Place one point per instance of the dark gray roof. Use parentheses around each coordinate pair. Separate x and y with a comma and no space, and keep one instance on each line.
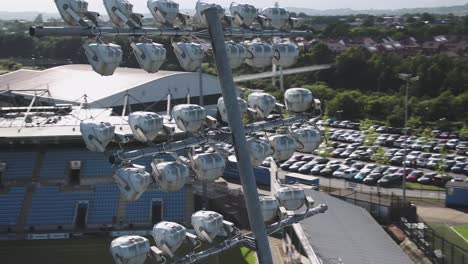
(350,233)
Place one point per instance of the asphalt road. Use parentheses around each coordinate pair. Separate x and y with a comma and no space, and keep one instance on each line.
(264,75)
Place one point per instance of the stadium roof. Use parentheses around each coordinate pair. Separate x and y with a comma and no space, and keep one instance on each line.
(349,233)
(70,82)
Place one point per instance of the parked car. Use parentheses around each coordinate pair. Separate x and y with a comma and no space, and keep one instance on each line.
(307,158)
(361,176)
(404,171)
(389,180)
(337,152)
(423,159)
(441,180)
(350,173)
(396,160)
(427,178)
(390,170)
(434,163)
(295,167)
(285,165)
(414,176)
(317,168)
(372,178)
(267,162)
(305,169)
(329,169)
(339,172)
(322,160)
(452,143)
(458,167)
(379,169)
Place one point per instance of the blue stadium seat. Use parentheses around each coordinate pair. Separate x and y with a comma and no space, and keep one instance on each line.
(52,207)
(139,212)
(10,206)
(93,164)
(20,165)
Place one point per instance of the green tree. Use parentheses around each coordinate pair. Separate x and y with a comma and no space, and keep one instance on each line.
(380,157)
(369,21)
(349,103)
(464,132)
(321,54)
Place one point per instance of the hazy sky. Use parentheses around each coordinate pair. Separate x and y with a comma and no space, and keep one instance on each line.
(140,5)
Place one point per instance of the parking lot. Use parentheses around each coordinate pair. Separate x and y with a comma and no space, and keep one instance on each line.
(373,161)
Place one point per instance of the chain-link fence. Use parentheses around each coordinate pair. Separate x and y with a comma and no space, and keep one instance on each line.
(434,245)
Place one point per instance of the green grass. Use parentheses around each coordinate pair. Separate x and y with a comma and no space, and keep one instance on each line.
(235,256)
(452,254)
(417,186)
(462,230)
(95,250)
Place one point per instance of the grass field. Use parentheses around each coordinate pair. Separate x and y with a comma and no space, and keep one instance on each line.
(462,230)
(452,254)
(417,186)
(87,251)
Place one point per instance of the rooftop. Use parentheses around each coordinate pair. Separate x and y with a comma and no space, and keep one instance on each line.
(349,233)
(70,82)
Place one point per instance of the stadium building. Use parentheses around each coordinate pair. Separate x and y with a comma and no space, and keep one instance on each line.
(52,187)
(49,180)
(77,85)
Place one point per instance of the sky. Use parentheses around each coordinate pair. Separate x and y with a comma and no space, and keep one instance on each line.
(48,6)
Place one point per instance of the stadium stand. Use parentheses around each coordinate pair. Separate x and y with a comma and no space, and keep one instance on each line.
(139,212)
(20,165)
(10,206)
(55,164)
(50,206)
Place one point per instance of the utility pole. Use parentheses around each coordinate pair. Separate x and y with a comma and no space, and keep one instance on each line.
(249,185)
(408,78)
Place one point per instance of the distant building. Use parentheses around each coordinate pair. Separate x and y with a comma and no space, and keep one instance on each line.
(431,47)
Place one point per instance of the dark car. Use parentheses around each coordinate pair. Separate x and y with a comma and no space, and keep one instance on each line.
(305,169)
(337,152)
(321,160)
(379,169)
(307,158)
(360,176)
(390,170)
(441,180)
(329,169)
(391,179)
(297,157)
(427,178)
(316,170)
(458,167)
(372,178)
(397,160)
(285,165)
(414,176)
(295,167)
(406,171)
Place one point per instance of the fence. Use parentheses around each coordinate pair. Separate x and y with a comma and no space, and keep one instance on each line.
(434,246)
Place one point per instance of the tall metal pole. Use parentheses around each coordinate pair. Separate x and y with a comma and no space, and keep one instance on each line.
(249,185)
(406,144)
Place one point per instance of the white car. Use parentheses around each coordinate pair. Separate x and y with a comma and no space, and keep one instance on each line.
(350,173)
(339,172)
(369,168)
